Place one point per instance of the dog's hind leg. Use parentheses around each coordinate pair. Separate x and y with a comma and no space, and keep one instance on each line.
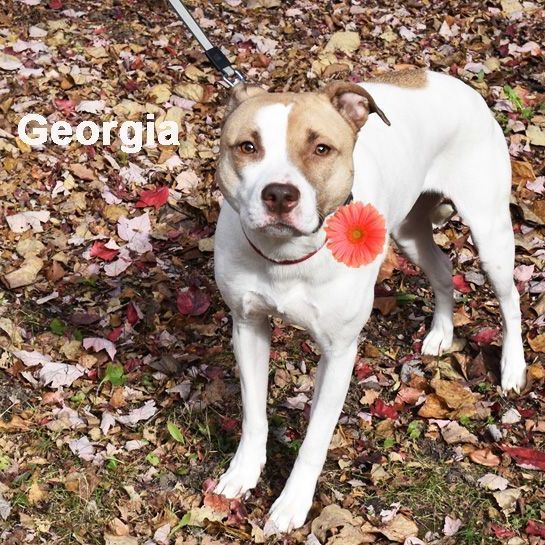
(251,343)
(414,236)
(489,219)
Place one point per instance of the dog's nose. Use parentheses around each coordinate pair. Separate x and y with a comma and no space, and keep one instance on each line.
(280,198)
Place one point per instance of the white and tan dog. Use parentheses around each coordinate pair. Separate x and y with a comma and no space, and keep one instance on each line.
(287,161)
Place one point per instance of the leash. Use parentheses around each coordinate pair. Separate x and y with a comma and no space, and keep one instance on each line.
(231,76)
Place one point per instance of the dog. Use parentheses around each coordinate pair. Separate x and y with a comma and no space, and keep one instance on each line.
(401,142)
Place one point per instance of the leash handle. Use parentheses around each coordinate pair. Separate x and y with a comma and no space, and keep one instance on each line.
(231,76)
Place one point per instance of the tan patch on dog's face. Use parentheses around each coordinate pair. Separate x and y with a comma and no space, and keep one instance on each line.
(411,78)
(315,125)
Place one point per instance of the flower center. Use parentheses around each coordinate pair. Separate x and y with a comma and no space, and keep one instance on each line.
(356,234)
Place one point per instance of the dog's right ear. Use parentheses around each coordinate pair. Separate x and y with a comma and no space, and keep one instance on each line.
(242,92)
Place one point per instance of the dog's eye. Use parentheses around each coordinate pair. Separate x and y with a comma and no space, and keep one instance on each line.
(322,149)
(247,147)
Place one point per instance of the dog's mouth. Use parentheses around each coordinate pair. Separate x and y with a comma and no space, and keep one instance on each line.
(280,229)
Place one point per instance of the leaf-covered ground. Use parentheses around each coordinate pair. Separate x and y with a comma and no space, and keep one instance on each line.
(119,400)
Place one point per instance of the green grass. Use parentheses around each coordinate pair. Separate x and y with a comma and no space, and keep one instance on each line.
(436,489)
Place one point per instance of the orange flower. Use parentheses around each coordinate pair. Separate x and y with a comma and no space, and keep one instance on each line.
(356,234)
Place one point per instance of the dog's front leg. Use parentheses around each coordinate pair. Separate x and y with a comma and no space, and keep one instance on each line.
(291,508)
(251,343)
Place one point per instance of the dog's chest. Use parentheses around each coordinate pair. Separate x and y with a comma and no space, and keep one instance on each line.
(291,304)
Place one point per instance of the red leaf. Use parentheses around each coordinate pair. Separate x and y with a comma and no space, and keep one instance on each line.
(216,502)
(99,250)
(406,267)
(66,106)
(501,532)
(382,410)
(527,458)
(209,485)
(460,283)
(534,528)
(363,370)
(192,302)
(485,335)
(156,198)
(55,4)
(238,512)
(228,424)
(115,334)
(132,314)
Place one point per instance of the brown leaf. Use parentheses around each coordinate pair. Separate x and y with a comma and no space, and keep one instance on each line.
(36,494)
(385,305)
(389,265)
(434,407)
(400,529)
(455,433)
(537,344)
(484,457)
(82,172)
(25,275)
(455,396)
(333,517)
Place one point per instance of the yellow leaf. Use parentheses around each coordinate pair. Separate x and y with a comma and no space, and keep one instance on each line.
(36,494)
(345,41)
(536,135)
(160,93)
(191,91)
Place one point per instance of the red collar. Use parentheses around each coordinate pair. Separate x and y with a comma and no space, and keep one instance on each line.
(281,261)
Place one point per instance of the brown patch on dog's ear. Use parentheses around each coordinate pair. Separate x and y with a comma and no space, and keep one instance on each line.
(354,103)
(242,92)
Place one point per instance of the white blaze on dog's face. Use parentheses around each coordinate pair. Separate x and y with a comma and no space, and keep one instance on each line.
(286,159)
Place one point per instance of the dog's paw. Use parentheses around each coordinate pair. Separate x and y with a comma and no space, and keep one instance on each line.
(437,341)
(242,476)
(513,376)
(289,511)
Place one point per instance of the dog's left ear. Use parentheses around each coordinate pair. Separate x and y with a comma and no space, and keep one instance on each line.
(353,102)
(242,92)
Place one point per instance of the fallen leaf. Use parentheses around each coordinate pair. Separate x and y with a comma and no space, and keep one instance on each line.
(400,529)
(534,528)
(141,413)
(24,275)
(484,457)
(100,250)
(9,62)
(535,135)
(507,499)
(382,410)
(451,526)
(493,482)
(345,41)
(537,343)
(82,448)
(120,540)
(192,301)
(157,198)
(527,458)
(97,344)
(23,221)
(56,374)
(455,433)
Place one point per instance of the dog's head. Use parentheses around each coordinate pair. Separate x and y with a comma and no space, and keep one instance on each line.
(286,158)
